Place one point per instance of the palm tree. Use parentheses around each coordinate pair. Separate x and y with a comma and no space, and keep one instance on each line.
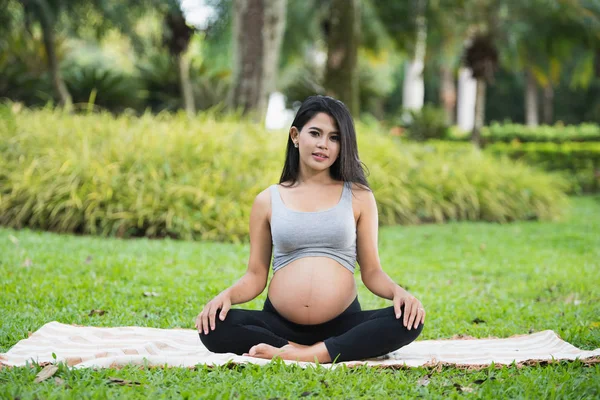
(258,27)
(446,36)
(177,38)
(46,13)
(343,36)
(409,34)
(543,35)
(481,57)
(73,14)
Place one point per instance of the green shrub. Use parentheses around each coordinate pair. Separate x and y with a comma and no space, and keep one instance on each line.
(23,68)
(521,133)
(427,123)
(158,74)
(109,89)
(432,183)
(579,162)
(167,175)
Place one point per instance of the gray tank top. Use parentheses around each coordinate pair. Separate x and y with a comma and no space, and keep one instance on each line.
(329,233)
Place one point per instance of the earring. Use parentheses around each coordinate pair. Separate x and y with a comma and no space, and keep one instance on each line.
(295,145)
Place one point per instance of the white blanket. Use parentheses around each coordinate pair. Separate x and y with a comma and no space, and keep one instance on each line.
(114,347)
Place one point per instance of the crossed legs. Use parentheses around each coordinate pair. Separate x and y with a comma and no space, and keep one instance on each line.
(353,335)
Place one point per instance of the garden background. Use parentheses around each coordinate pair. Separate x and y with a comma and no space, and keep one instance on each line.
(126,122)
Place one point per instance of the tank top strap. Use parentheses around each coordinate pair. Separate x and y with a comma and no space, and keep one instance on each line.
(275,197)
(347,192)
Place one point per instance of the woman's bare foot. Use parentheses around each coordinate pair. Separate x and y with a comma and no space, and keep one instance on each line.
(294,352)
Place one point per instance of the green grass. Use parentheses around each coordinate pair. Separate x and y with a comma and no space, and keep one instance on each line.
(520,277)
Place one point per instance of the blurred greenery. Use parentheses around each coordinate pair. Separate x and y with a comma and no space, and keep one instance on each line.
(427,123)
(557,41)
(169,175)
(558,133)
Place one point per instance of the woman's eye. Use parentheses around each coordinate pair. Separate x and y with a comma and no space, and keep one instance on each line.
(335,138)
(314,133)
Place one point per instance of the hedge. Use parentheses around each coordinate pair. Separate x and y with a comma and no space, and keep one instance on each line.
(507,133)
(578,162)
(167,175)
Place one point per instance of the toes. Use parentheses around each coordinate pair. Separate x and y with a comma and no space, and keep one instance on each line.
(252,351)
(259,350)
(263,348)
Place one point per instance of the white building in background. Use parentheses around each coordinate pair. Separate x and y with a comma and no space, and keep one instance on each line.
(465,107)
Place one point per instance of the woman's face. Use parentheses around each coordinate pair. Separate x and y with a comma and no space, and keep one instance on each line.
(318,142)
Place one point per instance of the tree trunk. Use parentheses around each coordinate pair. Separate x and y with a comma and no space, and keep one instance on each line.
(413,91)
(548,105)
(185,84)
(447,93)
(341,75)
(467,94)
(258,27)
(46,21)
(531,100)
(479,113)
(597,63)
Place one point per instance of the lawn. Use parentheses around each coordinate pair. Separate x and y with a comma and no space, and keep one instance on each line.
(476,279)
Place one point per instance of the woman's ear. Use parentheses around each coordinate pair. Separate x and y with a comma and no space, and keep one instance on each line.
(294,134)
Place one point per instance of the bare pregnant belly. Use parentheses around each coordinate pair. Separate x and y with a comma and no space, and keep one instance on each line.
(312,290)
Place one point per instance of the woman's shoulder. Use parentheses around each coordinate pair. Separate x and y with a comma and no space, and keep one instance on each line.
(359,189)
(263,199)
(362,197)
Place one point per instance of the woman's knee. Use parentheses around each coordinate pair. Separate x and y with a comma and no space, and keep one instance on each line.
(406,334)
(209,342)
(215,339)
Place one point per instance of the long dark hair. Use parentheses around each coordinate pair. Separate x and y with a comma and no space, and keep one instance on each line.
(347,167)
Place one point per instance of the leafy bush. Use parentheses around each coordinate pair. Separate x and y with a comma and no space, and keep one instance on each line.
(210,88)
(579,162)
(109,89)
(158,74)
(427,123)
(23,68)
(424,183)
(521,133)
(168,175)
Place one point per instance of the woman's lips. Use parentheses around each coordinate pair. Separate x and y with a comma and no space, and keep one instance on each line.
(319,158)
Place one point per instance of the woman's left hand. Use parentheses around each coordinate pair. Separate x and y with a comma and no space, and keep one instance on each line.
(414,313)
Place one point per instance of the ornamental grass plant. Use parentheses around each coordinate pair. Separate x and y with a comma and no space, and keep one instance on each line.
(167,175)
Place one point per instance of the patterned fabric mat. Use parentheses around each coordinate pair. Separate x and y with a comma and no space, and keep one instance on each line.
(82,347)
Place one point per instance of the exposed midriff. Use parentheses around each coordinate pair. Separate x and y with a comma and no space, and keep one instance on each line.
(312,290)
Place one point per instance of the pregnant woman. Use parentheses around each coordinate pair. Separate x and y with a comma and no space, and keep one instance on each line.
(316,223)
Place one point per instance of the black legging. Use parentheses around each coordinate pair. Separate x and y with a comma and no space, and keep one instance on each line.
(353,335)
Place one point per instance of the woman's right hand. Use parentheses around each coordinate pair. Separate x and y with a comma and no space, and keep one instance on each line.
(205,321)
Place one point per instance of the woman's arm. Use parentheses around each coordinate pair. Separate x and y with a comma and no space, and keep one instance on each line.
(373,276)
(253,282)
